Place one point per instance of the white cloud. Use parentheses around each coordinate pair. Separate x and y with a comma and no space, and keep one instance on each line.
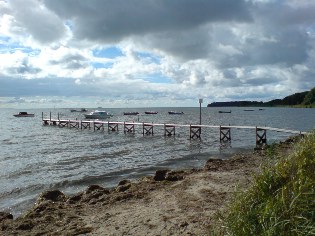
(220,50)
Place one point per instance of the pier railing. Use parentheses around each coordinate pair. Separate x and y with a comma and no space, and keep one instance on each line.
(169,129)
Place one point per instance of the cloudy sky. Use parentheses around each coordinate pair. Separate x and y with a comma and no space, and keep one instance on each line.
(146,53)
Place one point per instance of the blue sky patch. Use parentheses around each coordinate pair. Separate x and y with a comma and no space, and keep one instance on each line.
(102,65)
(149,56)
(7,46)
(111,52)
(158,78)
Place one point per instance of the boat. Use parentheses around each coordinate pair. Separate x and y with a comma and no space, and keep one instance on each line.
(82,110)
(24,114)
(175,112)
(98,115)
(131,113)
(225,111)
(150,112)
(261,109)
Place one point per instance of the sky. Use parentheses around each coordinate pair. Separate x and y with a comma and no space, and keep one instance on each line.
(153,53)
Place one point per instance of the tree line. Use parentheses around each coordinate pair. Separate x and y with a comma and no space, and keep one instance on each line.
(306,98)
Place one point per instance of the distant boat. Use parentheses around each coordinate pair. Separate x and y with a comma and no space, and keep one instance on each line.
(24,114)
(261,109)
(131,113)
(98,115)
(81,110)
(150,112)
(225,111)
(248,110)
(175,112)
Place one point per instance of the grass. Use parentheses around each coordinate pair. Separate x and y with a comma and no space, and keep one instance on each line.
(281,200)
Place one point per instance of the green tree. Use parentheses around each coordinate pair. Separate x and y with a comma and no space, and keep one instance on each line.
(309,98)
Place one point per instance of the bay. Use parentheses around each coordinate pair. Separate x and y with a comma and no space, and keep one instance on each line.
(35,158)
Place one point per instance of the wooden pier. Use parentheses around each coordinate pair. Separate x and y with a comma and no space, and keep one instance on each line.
(169,129)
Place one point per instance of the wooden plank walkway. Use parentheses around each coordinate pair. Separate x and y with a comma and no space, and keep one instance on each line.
(169,129)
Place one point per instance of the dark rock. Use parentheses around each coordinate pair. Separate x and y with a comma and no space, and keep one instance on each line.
(214,164)
(5,216)
(123,182)
(123,188)
(93,187)
(53,195)
(160,175)
(184,224)
(26,225)
(174,175)
(75,198)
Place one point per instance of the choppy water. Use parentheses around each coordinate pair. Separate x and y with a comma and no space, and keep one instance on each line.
(35,158)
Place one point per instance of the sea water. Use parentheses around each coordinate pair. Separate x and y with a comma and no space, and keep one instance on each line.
(35,158)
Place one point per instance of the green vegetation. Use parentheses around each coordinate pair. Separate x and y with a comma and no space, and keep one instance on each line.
(309,98)
(303,99)
(282,199)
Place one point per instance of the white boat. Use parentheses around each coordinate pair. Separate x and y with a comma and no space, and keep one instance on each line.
(98,115)
(24,114)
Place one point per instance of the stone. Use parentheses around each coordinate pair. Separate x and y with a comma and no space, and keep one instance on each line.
(160,175)
(123,182)
(53,195)
(93,187)
(5,216)
(174,175)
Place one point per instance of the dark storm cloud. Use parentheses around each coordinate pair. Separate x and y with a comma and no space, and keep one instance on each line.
(114,20)
(75,61)
(23,68)
(44,26)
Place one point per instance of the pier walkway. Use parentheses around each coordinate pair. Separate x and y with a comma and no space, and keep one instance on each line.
(169,129)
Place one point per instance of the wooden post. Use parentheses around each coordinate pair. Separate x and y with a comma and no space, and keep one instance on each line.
(73,124)
(147,129)
(98,126)
(194,131)
(225,134)
(112,126)
(261,136)
(129,128)
(85,125)
(169,132)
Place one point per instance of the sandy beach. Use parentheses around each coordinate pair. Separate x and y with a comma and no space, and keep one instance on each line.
(182,202)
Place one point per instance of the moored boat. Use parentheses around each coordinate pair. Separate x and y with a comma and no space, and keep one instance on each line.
(98,115)
(131,113)
(150,112)
(24,114)
(81,110)
(175,112)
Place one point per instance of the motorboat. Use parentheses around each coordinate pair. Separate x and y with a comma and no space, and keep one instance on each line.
(82,110)
(225,111)
(98,115)
(131,113)
(175,112)
(24,114)
(150,112)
